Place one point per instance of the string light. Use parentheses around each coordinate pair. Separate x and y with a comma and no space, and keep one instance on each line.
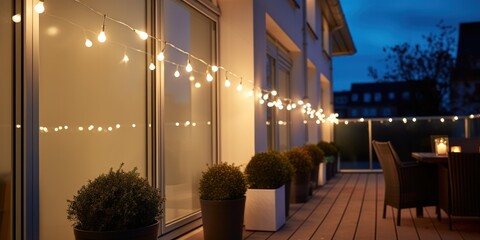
(161,55)
(102,37)
(39,7)
(143,35)
(239,86)
(177,73)
(198,84)
(125,58)
(227,82)
(151,66)
(17,18)
(270,96)
(88,43)
(189,67)
(191,77)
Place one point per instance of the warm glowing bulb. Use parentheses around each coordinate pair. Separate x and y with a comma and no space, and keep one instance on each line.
(161,56)
(198,85)
(274,93)
(176,74)
(102,37)
(189,67)
(88,43)
(300,102)
(261,101)
(265,97)
(152,66)
(239,87)
(191,78)
(250,93)
(125,58)
(214,68)
(227,83)
(17,18)
(142,35)
(39,8)
(209,77)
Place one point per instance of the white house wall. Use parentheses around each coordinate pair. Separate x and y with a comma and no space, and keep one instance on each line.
(244,26)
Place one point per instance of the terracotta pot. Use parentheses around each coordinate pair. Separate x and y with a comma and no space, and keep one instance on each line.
(145,233)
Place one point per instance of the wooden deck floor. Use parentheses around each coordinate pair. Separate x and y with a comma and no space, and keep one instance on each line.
(350,207)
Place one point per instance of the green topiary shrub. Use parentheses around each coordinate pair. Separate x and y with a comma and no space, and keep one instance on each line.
(115,201)
(222,181)
(315,153)
(328,148)
(268,170)
(300,159)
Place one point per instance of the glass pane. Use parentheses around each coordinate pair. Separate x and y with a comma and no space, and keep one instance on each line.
(92,104)
(188,124)
(270,65)
(6,119)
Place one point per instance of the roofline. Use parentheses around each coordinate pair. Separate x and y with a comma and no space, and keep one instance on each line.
(332,10)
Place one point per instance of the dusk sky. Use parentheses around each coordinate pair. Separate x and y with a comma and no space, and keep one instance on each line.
(375,24)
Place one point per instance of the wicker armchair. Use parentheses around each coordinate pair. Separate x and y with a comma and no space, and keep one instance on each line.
(463,186)
(406,185)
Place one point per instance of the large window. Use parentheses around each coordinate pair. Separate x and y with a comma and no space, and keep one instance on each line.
(278,67)
(93,105)
(188,113)
(6,120)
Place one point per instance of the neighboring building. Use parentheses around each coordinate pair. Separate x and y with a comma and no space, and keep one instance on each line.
(70,111)
(465,94)
(384,99)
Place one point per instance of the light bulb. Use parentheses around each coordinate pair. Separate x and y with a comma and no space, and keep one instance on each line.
(300,102)
(88,43)
(17,18)
(125,58)
(152,66)
(198,85)
(142,35)
(261,101)
(265,97)
(189,67)
(191,78)
(274,93)
(250,93)
(227,83)
(214,68)
(176,74)
(239,87)
(39,8)
(102,37)
(161,56)
(294,105)
(209,77)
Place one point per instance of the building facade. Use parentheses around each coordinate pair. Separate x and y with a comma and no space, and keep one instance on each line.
(465,94)
(172,86)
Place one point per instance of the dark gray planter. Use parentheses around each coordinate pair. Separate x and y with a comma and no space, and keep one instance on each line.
(223,219)
(144,233)
(300,187)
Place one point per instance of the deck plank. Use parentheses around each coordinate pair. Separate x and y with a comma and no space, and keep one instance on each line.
(365,228)
(350,206)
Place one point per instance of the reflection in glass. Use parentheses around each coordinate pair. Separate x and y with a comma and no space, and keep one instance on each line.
(188,124)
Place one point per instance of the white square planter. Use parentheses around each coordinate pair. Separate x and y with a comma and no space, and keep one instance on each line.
(322,174)
(265,209)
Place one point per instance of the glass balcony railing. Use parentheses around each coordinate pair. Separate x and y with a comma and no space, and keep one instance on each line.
(354,137)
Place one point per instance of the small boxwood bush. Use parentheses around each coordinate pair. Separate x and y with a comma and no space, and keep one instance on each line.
(315,153)
(328,148)
(300,159)
(268,170)
(222,181)
(115,201)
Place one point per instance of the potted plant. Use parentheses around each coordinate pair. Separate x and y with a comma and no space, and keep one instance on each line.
(117,205)
(317,156)
(222,200)
(267,173)
(303,164)
(331,153)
